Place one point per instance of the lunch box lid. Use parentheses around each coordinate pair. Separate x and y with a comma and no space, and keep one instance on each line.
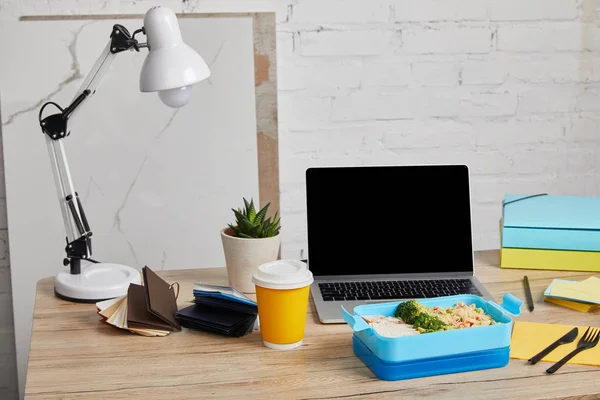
(436,344)
(511,305)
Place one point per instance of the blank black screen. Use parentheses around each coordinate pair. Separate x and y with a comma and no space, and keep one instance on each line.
(388,219)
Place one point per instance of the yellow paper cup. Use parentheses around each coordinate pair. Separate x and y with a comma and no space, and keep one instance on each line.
(282,289)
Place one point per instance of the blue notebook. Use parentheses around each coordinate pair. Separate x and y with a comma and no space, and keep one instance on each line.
(222,292)
(551,222)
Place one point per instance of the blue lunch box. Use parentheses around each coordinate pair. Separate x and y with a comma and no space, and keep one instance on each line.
(435,353)
(477,360)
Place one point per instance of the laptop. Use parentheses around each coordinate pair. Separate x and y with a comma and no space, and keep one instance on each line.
(388,233)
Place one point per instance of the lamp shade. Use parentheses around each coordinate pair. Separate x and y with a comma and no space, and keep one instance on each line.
(170,64)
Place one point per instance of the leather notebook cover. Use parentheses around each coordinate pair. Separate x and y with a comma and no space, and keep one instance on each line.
(216,320)
(138,315)
(160,298)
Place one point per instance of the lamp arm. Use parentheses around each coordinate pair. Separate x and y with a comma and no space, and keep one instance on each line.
(120,40)
(55,127)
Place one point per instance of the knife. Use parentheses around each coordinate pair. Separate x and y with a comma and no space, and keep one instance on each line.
(567,338)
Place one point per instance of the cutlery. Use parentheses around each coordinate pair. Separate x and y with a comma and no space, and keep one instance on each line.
(587,341)
(567,338)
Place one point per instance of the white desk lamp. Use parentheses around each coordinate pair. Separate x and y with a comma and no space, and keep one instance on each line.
(170,69)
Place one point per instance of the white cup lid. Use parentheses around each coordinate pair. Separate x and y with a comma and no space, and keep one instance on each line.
(283,274)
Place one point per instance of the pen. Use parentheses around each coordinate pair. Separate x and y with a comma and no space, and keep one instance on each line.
(528,293)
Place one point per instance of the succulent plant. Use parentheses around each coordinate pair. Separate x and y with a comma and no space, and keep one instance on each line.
(250,224)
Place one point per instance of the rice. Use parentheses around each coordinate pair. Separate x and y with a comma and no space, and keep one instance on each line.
(424,319)
(462,316)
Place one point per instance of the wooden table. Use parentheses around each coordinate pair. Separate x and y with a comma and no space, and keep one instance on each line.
(74,355)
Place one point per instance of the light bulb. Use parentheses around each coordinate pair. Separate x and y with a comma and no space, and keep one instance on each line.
(177,97)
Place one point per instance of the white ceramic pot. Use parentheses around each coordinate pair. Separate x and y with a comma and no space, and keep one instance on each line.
(243,256)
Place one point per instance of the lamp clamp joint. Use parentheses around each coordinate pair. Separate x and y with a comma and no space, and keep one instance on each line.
(55,125)
(122,40)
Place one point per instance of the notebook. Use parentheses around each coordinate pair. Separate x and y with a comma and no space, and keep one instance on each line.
(140,316)
(220,309)
(148,310)
(545,221)
(213,319)
(114,312)
(385,233)
(161,300)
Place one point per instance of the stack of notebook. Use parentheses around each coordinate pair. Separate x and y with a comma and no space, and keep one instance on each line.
(220,309)
(147,310)
(578,295)
(542,231)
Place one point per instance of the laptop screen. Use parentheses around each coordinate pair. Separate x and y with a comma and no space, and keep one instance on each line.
(389,220)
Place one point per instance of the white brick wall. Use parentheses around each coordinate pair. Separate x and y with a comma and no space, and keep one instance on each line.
(548,37)
(332,74)
(431,73)
(305,110)
(340,12)
(483,72)
(548,98)
(533,10)
(509,87)
(390,71)
(439,10)
(446,39)
(330,43)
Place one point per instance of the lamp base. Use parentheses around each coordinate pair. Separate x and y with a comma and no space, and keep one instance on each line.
(96,282)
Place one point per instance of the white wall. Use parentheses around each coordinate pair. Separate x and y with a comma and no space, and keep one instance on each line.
(509,87)
(140,168)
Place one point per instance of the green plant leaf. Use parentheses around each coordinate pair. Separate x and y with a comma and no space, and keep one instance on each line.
(273,230)
(262,214)
(235,229)
(239,217)
(250,224)
(273,227)
(246,226)
(255,232)
(251,211)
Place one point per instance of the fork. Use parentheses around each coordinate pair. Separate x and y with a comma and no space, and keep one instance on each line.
(587,341)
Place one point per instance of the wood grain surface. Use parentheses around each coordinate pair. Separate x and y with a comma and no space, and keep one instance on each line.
(74,355)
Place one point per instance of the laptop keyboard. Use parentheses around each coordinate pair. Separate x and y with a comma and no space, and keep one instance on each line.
(382,290)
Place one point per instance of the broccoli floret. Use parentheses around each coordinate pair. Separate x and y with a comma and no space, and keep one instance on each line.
(416,314)
(429,323)
(408,311)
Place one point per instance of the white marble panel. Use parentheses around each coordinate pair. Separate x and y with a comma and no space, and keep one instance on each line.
(157,184)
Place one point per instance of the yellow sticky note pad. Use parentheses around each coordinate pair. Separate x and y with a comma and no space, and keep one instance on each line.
(591,286)
(587,290)
(529,338)
(574,305)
